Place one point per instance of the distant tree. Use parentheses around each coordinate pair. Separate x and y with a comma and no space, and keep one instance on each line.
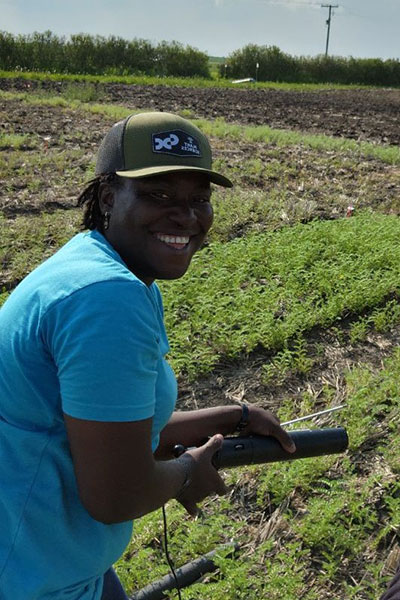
(275,65)
(84,53)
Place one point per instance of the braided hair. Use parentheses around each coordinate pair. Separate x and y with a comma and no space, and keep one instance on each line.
(89,199)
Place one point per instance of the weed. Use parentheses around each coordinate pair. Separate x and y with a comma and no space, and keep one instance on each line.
(87,92)
(16,141)
(359,330)
(293,361)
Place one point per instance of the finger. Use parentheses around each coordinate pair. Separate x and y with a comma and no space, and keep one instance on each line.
(284,439)
(190,507)
(214,443)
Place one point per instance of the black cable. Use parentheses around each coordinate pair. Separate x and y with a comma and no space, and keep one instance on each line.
(169,561)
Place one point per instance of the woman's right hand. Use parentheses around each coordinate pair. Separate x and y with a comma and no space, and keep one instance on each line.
(204,477)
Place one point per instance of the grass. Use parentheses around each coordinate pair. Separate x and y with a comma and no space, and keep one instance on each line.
(27,241)
(214,81)
(282,138)
(274,272)
(16,141)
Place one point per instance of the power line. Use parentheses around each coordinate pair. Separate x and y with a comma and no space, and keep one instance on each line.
(328,22)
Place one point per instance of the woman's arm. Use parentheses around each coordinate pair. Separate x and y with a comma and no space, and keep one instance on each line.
(191,428)
(119,479)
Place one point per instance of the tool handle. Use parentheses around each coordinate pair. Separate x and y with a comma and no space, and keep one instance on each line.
(256,449)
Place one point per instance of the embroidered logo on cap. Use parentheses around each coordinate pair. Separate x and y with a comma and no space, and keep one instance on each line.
(175,142)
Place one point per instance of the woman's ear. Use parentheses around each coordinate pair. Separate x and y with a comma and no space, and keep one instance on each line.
(106,197)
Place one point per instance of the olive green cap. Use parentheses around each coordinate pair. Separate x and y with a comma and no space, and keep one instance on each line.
(153,143)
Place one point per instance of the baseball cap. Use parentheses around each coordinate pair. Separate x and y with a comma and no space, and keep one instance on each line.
(153,143)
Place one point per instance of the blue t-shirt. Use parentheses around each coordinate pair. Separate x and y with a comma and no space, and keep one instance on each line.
(81,335)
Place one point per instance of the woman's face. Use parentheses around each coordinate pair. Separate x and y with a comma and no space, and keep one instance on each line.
(158,223)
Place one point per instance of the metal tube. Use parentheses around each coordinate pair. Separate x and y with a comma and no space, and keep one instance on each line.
(317,414)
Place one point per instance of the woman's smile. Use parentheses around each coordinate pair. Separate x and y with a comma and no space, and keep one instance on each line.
(178,242)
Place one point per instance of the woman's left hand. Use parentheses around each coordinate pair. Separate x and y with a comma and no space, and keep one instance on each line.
(264,422)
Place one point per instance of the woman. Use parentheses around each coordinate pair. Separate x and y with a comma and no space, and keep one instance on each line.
(87,425)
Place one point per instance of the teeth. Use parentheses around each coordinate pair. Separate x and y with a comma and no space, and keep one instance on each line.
(173,239)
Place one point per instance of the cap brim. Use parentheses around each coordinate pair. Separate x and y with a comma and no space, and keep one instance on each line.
(152,171)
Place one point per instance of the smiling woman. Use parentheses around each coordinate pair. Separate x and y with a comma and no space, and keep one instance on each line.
(87,421)
(158,223)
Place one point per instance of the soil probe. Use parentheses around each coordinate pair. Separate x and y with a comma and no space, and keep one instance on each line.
(317,414)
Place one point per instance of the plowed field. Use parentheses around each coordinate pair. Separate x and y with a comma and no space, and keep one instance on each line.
(360,114)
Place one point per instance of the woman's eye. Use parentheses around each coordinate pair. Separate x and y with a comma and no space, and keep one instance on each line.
(202,199)
(161,196)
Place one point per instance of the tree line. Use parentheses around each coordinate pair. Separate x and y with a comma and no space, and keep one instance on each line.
(269,63)
(97,55)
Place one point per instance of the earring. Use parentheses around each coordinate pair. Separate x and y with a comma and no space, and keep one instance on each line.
(106,220)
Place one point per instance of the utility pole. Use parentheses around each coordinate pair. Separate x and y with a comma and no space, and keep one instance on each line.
(330,6)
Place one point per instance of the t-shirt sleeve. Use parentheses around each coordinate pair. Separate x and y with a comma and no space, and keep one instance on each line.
(104,340)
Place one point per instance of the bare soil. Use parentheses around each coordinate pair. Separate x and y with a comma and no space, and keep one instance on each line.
(361,114)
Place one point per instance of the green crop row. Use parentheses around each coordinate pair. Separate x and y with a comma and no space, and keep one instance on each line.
(268,288)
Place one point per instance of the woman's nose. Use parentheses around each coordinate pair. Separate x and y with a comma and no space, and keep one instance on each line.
(183,213)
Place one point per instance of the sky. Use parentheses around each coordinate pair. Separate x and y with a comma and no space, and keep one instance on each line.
(359,28)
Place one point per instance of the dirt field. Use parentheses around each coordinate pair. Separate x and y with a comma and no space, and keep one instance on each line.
(359,114)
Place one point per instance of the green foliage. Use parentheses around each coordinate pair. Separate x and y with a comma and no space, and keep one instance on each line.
(143,79)
(290,361)
(311,529)
(291,281)
(86,92)
(28,240)
(275,65)
(87,54)
(3,296)
(16,141)
(276,482)
(372,396)
(337,521)
(381,319)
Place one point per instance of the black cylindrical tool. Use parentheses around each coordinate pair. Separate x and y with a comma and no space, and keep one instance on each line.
(256,449)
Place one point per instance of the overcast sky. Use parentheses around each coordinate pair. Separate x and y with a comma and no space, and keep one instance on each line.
(360,28)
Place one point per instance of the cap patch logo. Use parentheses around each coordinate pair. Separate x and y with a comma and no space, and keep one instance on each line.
(175,142)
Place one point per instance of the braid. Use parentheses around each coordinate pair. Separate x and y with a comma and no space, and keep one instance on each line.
(89,199)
